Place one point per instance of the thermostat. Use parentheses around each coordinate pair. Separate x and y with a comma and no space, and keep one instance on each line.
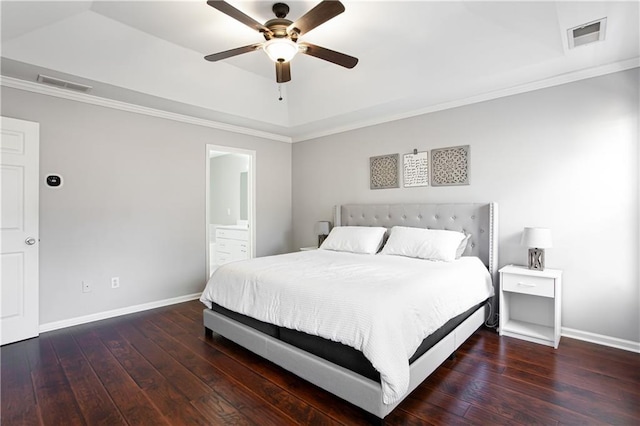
(54,181)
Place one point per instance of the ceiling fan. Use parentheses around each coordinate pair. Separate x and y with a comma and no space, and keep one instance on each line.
(281,36)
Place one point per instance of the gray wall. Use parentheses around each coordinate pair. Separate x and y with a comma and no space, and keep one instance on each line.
(225,188)
(133,203)
(564,157)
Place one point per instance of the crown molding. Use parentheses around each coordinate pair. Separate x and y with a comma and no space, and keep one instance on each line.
(124,106)
(516,90)
(43,89)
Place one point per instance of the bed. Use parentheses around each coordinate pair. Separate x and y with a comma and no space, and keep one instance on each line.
(356,368)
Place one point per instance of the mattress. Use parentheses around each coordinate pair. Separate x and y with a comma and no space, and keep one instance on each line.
(338,353)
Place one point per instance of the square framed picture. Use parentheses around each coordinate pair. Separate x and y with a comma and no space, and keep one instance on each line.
(384,171)
(450,166)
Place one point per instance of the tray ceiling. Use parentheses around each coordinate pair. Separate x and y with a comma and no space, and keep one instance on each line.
(415,56)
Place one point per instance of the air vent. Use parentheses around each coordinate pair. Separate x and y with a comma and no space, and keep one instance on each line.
(587,33)
(63,83)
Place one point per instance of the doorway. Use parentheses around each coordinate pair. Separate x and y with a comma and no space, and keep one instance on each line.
(230,205)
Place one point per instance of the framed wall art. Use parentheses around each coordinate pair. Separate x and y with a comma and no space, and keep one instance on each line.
(384,171)
(415,168)
(450,166)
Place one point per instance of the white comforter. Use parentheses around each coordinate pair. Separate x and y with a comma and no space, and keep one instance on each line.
(383,306)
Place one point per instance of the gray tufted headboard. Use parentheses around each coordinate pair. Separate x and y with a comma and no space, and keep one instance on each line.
(479,220)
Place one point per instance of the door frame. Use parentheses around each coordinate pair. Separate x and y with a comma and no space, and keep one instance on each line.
(251,180)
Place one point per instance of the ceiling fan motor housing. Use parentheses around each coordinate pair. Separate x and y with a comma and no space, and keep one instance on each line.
(278,27)
(280,9)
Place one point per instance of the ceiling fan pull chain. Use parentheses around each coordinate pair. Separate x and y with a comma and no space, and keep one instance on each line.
(280,92)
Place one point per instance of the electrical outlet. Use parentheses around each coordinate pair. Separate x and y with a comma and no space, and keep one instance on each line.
(86,286)
(115,282)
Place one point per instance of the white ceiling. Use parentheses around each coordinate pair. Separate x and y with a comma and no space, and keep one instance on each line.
(415,56)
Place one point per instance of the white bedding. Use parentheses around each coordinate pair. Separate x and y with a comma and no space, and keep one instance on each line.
(382,305)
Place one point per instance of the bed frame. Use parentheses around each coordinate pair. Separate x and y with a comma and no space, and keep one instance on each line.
(479,220)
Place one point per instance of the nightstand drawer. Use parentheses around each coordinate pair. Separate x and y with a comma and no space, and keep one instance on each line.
(536,286)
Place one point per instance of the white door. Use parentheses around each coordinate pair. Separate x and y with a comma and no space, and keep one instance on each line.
(19,175)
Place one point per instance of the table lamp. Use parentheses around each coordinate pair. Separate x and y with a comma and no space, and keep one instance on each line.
(537,239)
(322,230)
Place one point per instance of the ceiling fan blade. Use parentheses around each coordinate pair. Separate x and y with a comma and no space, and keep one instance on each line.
(231,11)
(329,55)
(320,14)
(283,72)
(233,52)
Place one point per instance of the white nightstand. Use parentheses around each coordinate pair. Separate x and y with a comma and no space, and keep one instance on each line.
(530,304)
(308,248)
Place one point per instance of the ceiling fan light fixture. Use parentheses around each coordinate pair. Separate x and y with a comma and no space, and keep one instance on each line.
(280,49)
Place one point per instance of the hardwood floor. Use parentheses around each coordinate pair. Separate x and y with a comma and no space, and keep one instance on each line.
(157,367)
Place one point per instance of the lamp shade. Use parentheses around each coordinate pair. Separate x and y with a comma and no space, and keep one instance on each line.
(322,228)
(280,49)
(537,238)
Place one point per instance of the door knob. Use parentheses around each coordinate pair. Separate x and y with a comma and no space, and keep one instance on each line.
(30,241)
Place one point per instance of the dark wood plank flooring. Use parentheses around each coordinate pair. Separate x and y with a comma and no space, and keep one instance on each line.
(158,367)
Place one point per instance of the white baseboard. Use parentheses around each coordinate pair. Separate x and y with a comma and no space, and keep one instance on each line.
(614,342)
(56,325)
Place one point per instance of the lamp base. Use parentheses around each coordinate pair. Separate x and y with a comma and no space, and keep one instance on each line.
(536,259)
(321,239)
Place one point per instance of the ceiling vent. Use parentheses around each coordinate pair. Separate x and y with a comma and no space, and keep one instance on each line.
(587,33)
(58,82)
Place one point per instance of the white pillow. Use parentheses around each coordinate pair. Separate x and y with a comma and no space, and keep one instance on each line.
(432,244)
(354,239)
(463,246)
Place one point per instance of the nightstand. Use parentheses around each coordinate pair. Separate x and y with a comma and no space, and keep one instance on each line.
(308,248)
(530,304)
